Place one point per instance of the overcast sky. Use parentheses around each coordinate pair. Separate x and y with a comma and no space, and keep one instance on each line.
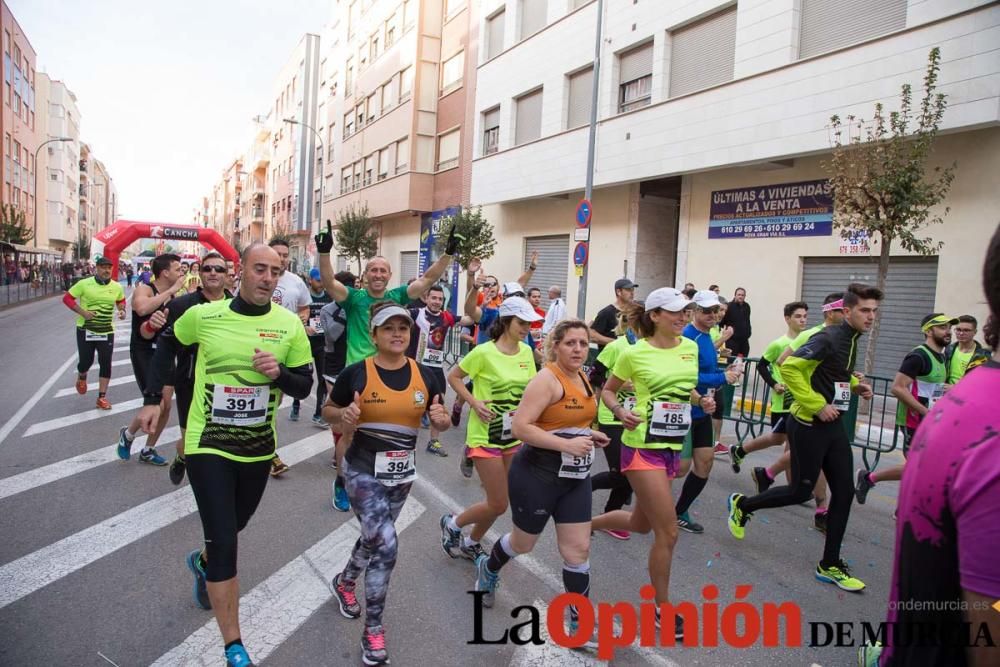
(167,90)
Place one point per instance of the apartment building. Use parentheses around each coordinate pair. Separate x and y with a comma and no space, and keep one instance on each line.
(399,81)
(18,118)
(701,103)
(59,166)
(254,200)
(103,195)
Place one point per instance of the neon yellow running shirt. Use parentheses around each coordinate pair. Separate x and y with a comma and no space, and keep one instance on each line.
(608,356)
(499,378)
(100,300)
(772,353)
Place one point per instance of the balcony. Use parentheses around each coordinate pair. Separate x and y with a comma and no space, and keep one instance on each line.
(83,191)
(398,193)
(83,166)
(262,157)
(257,214)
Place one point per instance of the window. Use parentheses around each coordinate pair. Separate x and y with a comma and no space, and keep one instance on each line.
(409,14)
(359,114)
(6,42)
(528,123)
(452,6)
(491,131)
(636,78)
(373,106)
(345,180)
(494,34)
(390,32)
(388,95)
(357,174)
(383,163)
(448,145)
(579,3)
(348,76)
(348,124)
(703,53)
(451,71)
(370,163)
(405,84)
(581,95)
(827,25)
(402,155)
(533,16)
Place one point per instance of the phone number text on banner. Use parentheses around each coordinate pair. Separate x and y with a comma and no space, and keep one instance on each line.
(770,211)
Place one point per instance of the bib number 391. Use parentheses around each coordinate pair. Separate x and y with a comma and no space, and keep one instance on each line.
(842,396)
(672,420)
(576,467)
(395,467)
(239,406)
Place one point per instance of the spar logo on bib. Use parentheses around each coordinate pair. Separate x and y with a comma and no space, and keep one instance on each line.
(419,398)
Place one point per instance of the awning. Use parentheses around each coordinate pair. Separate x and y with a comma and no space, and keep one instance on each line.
(19,248)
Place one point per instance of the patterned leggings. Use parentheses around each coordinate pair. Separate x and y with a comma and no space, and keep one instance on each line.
(377,507)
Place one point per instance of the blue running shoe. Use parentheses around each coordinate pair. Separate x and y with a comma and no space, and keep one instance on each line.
(151,457)
(340,500)
(124,444)
(236,656)
(200,592)
(486,581)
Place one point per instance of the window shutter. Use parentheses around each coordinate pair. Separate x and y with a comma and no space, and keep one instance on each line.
(580,98)
(529,118)
(636,63)
(830,24)
(494,34)
(533,16)
(703,53)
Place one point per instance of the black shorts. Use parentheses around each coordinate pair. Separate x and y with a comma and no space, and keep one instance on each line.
(907,439)
(701,432)
(330,369)
(720,398)
(183,394)
(779,422)
(142,366)
(535,496)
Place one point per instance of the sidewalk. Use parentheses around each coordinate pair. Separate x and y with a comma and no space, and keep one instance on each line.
(17,293)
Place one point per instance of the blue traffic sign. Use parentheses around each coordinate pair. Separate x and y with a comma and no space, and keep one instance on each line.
(580,254)
(583,213)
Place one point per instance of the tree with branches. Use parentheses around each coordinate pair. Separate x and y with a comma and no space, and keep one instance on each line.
(881,185)
(357,235)
(474,233)
(13,228)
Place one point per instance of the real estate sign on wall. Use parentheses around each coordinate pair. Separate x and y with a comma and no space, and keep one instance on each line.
(768,211)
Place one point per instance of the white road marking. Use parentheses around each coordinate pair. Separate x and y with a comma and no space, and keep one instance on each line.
(277,606)
(30,403)
(91,386)
(53,472)
(121,362)
(51,563)
(86,415)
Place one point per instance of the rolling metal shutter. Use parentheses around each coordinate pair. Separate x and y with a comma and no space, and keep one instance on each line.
(636,63)
(703,54)
(533,16)
(553,263)
(830,24)
(529,118)
(408,263)
(581,94)
(494,34)
(909,290)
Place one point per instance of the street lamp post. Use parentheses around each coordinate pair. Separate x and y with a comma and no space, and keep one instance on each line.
(35,238)
(319,140)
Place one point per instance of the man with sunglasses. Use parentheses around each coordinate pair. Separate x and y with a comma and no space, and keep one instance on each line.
(965,351)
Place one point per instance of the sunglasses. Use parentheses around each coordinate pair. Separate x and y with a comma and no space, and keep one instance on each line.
(213,269)
(489,284)
(714,310)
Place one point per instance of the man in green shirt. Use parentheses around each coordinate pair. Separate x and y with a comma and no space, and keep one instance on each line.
(966,349)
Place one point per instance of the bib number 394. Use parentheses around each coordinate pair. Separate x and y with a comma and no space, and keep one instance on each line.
(672,420)
(395,467)
(842,396)
(239,406)
(576,467)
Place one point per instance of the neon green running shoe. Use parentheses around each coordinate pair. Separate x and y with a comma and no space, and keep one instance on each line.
(869,654)
(840,576)
(737,517)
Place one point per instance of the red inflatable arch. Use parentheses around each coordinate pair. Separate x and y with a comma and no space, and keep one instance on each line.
(114,238)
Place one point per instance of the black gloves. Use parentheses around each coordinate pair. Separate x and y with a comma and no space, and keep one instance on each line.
(324,240)
(453,238)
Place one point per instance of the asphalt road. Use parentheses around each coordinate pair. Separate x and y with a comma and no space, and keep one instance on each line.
(92,550)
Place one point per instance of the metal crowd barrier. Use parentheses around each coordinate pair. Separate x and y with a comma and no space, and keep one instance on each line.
(18,292)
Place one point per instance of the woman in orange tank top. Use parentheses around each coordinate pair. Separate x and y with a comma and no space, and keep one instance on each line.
(550,476)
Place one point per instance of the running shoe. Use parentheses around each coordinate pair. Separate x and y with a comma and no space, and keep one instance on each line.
(685,523)
(435,447)
(151,457)
(373,650)
(868,655)
(465,464)
(761,479)
(819,521)
(862,485)
(176,471)
(573,628)
(319,422)
(278,467)
(486,581)
(237,656)
(450,539)
(200,592)
(456,413)
(678,626)
(124,444)
(735,459)
(348,601)
(293,415)
(737,518)
(81,386)
(103,403)
(340,500)
(472,551)
(617,534)
(720,450)
(840,576)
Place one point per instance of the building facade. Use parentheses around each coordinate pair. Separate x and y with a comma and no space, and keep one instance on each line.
(698,101)
(18,120)
(59,162)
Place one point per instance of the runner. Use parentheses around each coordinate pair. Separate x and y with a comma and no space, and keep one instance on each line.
(147,299)
(710,379)
(231,437)
(432,323)
(314,329)
(609,425)
(381,401)
(663,367)
(500,370)
(550,477)
(820,377)
(919,383)
(720,336)
(602,328)
(966,351)
(213,275)
(94,300)
(333,319)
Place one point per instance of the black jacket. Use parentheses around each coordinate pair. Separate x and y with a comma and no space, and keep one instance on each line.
(738,317)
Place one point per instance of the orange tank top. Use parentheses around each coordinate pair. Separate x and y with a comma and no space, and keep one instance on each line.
(576,409)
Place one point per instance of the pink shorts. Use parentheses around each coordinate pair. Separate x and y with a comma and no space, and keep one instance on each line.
(634,458)
(491,452)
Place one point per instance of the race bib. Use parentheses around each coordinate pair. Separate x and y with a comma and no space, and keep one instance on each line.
(239,406)
(671,420)
(395,467)
(842,396)
(316,325)
(936,392)
(629,403)
(507,432)
(89,335)
(576,467)
(433,358)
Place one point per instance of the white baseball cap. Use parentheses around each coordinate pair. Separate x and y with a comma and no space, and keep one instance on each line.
(519,307)
(667,298)
(706,298)
(512,288)
(384,315)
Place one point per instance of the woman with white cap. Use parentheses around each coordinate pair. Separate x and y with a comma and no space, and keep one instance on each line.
(380,401)
(663,368)
(500,370)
